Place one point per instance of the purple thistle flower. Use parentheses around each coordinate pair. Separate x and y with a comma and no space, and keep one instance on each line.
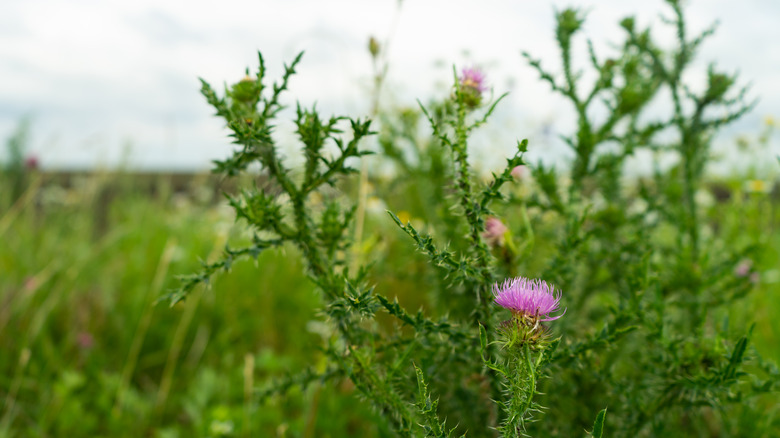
(530,298)
(471,84)
(473,78)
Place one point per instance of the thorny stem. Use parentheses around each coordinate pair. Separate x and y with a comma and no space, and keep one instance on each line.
(470,206)
(473,213)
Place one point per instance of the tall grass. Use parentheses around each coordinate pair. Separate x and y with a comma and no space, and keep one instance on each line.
(86,352)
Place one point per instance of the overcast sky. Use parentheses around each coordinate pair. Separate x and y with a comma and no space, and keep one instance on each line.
(110,82)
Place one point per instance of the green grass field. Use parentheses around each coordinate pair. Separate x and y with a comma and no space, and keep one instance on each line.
(85,352)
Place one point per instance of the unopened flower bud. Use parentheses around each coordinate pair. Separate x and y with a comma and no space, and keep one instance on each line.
(518,172)
(245,90)
(373,47)
(494,231)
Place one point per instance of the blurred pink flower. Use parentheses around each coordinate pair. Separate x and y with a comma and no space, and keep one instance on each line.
(30,283)
(472,85)
(31,163)
(85,340)
(743,268)
(518,172)
(494,231)
(474,78)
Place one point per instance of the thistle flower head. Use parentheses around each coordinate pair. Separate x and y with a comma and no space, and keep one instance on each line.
(473,77)
(529,299)
(472,85)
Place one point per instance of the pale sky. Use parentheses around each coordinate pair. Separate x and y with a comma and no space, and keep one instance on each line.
(110,82)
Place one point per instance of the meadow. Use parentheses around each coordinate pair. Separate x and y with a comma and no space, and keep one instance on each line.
(87,352)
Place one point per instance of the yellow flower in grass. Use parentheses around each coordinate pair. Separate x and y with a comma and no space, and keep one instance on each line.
(758,186)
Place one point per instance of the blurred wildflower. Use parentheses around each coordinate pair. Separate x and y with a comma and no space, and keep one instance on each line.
(473,77)
(769,121)
(529,299)
(518,172)
(494,231)
(743,268)
(757,186)
(30,284)
(472,85)
(404,216)
(31,163)
(85,340)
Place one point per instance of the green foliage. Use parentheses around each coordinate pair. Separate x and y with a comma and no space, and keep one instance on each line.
(664,282)
(318,337)
(432,426)
(652,285)
(85,349)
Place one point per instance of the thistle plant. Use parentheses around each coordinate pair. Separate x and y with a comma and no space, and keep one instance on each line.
(660,329)
(526,343)
(646,332)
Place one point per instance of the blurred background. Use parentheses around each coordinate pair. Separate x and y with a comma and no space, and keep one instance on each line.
(109,84)
(105,195)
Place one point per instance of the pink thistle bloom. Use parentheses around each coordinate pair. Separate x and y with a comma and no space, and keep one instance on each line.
(472,77)
(472,85)
(533,299)
(494,231)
